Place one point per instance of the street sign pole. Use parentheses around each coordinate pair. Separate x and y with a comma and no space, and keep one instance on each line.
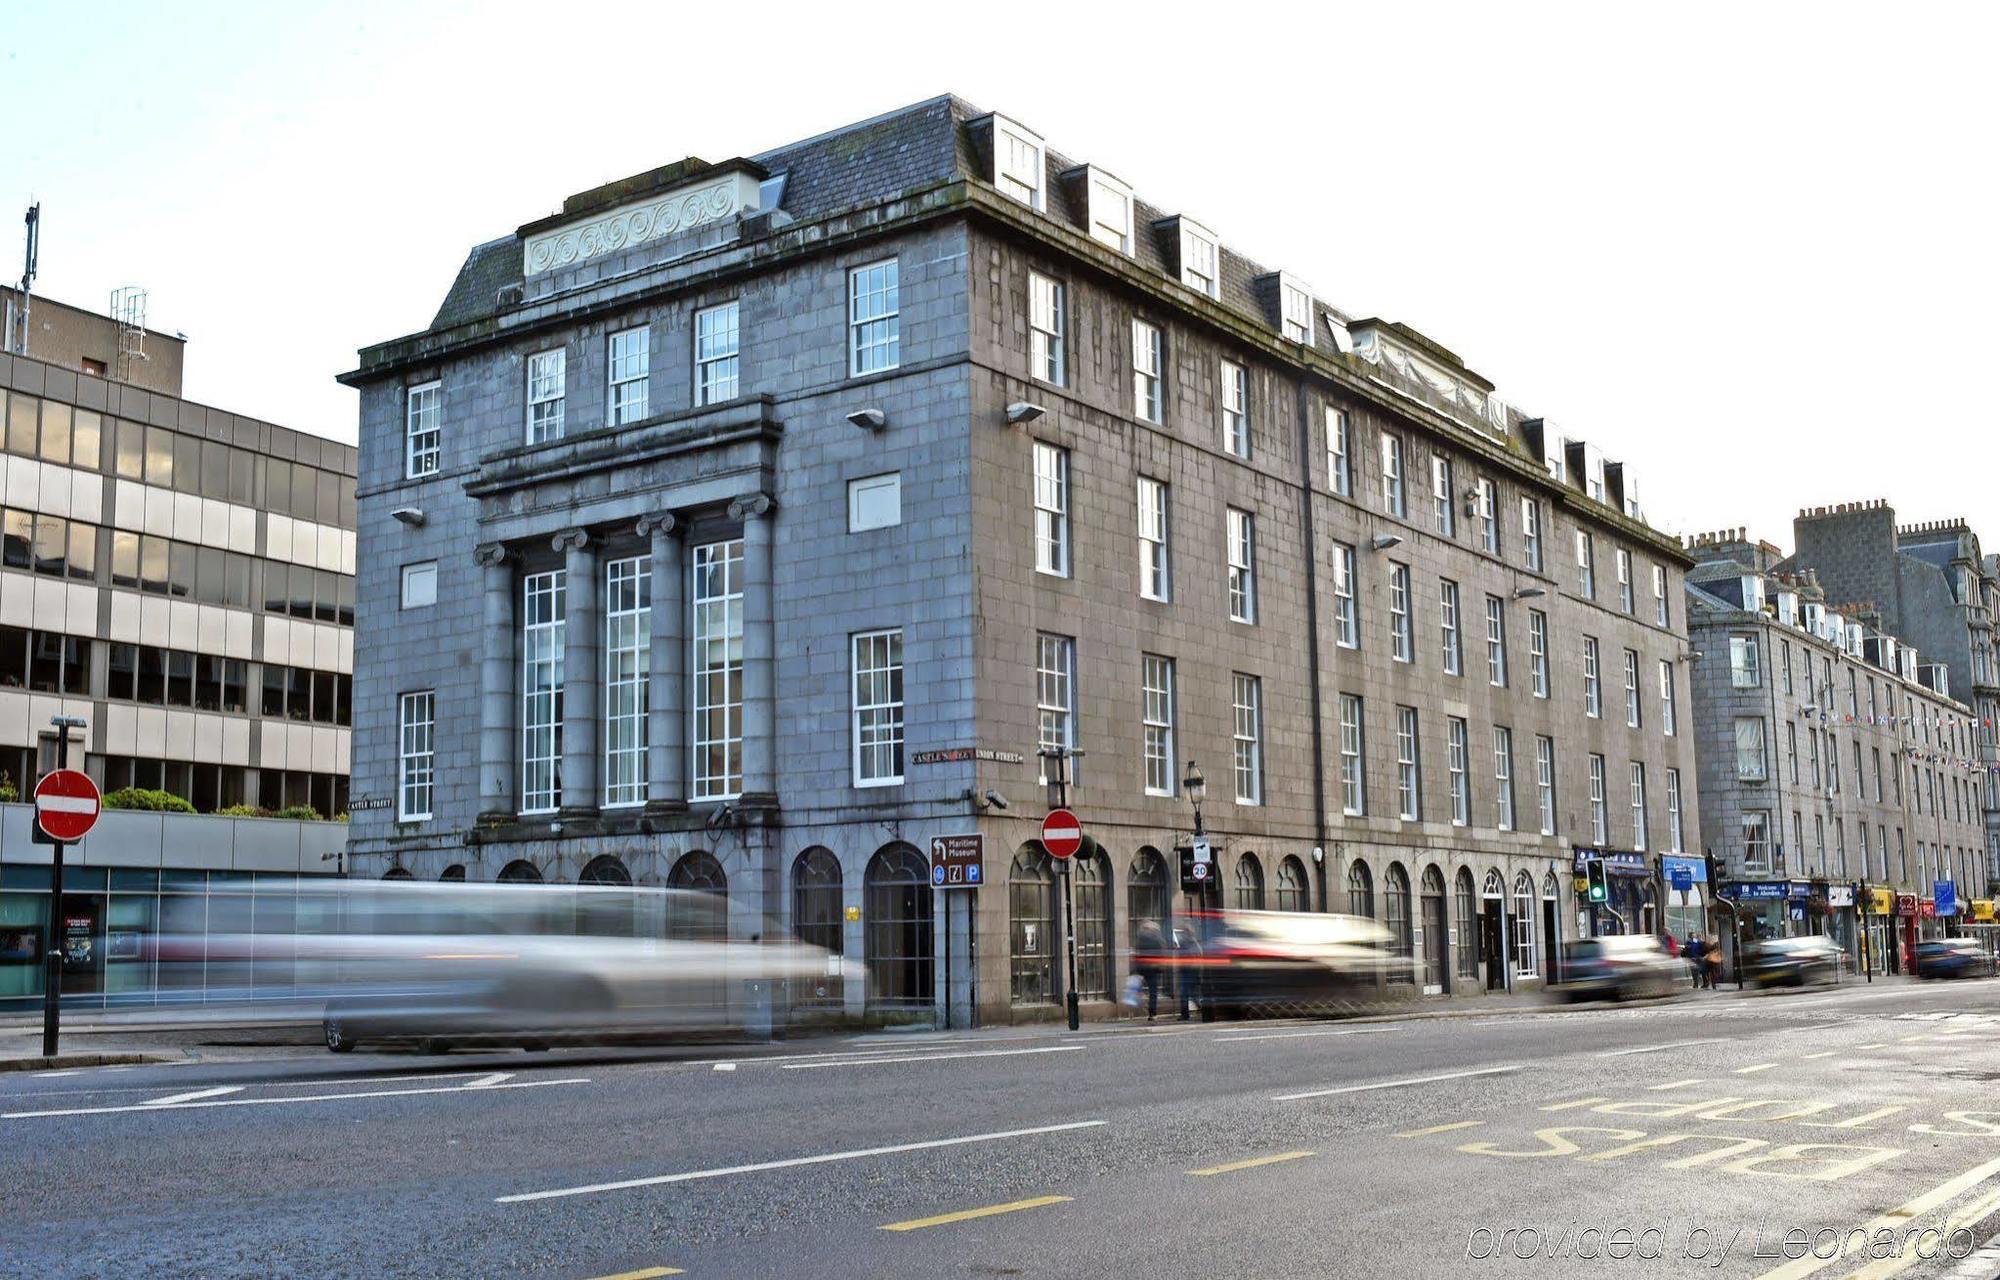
(52,979)
(1070,845)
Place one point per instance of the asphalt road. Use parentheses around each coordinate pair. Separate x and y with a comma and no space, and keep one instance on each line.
(1705,1129)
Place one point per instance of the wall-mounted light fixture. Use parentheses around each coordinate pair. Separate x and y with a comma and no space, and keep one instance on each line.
(1383,541)
(411,516)
(869,419)
(1528,593)
(1021,412)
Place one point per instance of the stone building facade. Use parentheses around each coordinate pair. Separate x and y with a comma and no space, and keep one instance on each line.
(1836,773)
(934,450)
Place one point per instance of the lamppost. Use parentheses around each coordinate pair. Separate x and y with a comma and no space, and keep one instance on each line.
(1196,788)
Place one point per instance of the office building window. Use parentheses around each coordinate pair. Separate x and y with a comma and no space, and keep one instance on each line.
(1489,517)
(1154,582)
(1402,645)
(1624,580)
(874,318)
(1496,642)
(542,624)
(1638,806)
(1531,533)
(1661,613)
(1586,566)
(1051,510)
(1632,708)
(875,502)
(1755,829)
(628,649)
(1242,566)
(1600,813)
(1409,777)
(1048,354)
(1235,409)
(545,395)
(878,708)
(1442,509)
(1448,628)
(1538,651)
(1346,622)
(1676,841)
(420,583)
(1339,454)
(1457,751)
(1503,776)
(1545,783)
(1055,694)
(1393,498)
(631,360)
(1669,710)
(717,670)
(1353,784)
(416,767)
(1157,715)
(422,430)
(1247,707)
(716,354)
(1593,689)
(1744,668)
(1148,400)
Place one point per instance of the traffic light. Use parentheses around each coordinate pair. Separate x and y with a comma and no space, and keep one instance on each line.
(1594,869)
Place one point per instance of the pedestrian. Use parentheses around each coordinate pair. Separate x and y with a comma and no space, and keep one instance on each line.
(1692,950)
(1149,953)
(1713,962)
(1186,947)
(1672,944)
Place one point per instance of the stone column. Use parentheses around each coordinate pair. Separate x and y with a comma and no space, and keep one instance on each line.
(760,781)
(496,684)
(583,678)
(666,679)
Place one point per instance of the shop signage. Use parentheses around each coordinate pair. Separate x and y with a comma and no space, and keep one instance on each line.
(955,755)
(1982,911)
(1684,873)
(1768,890)
(1880,902)
(1906,904)
(957,862)
(1927,909)
(1840,895)
(1617,862)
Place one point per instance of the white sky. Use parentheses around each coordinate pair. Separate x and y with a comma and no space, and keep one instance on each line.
(1748,249)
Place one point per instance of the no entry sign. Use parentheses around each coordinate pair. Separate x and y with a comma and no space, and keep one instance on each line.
(1062,834)
(66,804)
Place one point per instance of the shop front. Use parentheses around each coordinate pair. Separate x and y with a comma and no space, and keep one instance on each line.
(1687,894)
(1877,908)
(1632,899)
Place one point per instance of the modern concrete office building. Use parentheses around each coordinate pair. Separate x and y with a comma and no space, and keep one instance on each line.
(1838,777)
(181,578)
(748,526)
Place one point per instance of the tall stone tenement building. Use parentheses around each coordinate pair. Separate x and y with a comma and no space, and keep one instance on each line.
(1837,774)
(782,510)
(1933,590)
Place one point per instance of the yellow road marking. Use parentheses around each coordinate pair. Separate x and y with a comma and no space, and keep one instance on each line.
(1571,1106)
(966,1215)
(645,1273)
(1673,1084)
(1894,1219)
(1966,1217)
(1280,1158)
(1441,1128)
(1751,1071)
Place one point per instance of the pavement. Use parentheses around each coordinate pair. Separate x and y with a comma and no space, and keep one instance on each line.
(1684,1137)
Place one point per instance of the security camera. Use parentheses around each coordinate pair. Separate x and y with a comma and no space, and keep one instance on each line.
(869,419)
(997,800)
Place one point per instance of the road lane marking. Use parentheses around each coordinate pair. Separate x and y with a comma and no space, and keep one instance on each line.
(966,1215)
(1393,1084)
(1879,1044)
(1571,1105)
(644,1273)
(1300,1035)
(724,1066)
(1894,1219)
(1827,1054)
(925,1057)
(1674,1084)
(262,1102)
(173,1098)
(71,1071)
(1441,1128)
(489,1081)
(1753,1070)
(829,1157)
(1259,1161)
(1656,1048)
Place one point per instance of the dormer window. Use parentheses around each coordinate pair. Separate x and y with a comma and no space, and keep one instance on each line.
(1201,259)
(1109,209)
(1295,310)
(1019,168)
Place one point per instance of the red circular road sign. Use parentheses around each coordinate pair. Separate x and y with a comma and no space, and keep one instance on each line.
(66,804)
(1062,834)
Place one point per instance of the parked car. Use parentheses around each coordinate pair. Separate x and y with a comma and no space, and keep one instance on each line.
(1792,962)
(1953,958)
(1621,967)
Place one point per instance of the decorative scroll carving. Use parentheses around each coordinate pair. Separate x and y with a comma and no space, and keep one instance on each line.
(658,524)
(571,540)
(634,224)
(490,553)
(751,506)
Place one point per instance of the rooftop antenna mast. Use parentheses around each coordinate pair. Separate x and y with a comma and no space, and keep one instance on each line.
(128,310)
(20,335)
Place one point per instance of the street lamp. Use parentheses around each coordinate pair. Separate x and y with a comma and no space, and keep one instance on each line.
(1197,791)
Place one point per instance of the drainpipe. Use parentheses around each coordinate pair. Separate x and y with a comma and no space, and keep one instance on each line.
(1312,641)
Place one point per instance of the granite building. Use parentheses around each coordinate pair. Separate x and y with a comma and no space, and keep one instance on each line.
(749,526)
(1838,776)
(1933,590)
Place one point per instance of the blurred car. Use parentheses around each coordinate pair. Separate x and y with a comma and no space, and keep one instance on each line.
(1620,967)
(1792,962)
(1289,962)
(1953,958)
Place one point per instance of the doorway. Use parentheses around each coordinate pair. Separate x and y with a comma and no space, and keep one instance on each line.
(1493,930)
(1437,935)
(1552,950)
